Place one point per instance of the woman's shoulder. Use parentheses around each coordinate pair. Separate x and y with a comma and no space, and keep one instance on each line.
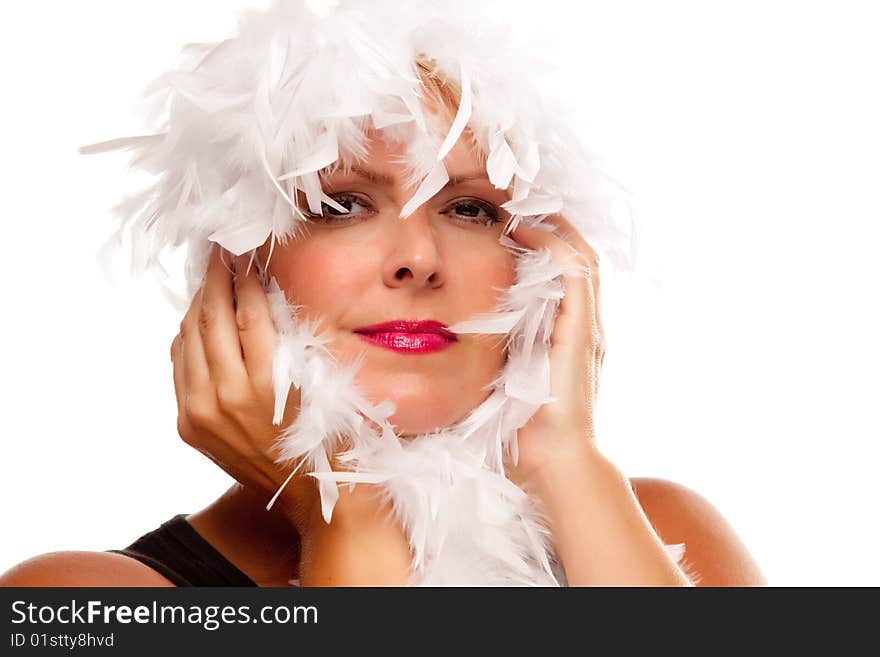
(82,568)
(714,553)
(655,488)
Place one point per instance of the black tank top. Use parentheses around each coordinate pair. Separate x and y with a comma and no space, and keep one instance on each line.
(178,552)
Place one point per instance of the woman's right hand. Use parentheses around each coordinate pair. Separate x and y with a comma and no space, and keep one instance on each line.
(223,381)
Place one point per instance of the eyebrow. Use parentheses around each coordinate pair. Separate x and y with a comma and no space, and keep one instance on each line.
(467,177)
(373,176)
(388,181)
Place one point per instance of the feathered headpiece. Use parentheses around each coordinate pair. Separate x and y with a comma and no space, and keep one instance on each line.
(246,125)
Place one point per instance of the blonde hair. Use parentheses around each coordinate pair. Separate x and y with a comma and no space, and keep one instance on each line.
(438,87)
(445,94)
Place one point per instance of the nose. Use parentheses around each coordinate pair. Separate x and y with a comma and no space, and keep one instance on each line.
(414,257)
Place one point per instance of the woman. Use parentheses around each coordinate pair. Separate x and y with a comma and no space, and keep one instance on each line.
(355,266)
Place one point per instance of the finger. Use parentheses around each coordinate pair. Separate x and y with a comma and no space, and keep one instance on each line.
(256,331)
(570,234)
(177,360)
(177,373)
(576,322)
(217,323)
(214,450)
(573,236)
(196,375)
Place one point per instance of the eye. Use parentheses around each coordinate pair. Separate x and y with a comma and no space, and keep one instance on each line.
(357,207)
(473,210)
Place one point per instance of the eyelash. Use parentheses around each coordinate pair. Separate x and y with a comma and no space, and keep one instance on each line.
(330,212)
(332,216)
(488,208)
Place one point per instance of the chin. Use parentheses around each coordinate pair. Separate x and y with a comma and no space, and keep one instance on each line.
(418,416)
(421,413)
(414,418)
(423,404)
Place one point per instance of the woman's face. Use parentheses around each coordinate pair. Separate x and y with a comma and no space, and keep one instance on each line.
(369,267)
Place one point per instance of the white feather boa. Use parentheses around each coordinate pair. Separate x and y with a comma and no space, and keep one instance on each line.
(248,123)
(466,522)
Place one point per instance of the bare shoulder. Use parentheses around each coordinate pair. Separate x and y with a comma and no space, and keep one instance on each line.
(714,553)
(81,568)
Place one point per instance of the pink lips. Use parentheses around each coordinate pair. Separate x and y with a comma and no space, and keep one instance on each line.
(409,337)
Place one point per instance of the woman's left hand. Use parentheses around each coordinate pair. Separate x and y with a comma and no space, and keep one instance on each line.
(562,430)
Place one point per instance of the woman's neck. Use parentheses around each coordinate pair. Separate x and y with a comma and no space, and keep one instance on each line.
(264,545)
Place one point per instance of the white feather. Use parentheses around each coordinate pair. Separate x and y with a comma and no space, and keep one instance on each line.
(433,183)
(325,153)
(501,163)
(462,116)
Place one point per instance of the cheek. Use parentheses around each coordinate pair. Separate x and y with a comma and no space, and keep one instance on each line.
(485,282)
(496,274)
(321,278)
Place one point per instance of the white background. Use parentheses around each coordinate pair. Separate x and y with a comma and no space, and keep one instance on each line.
(742,360)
